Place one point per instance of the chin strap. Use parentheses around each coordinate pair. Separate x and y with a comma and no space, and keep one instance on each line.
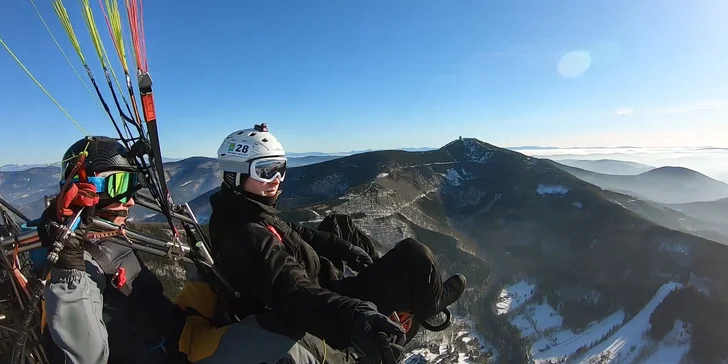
(111,214)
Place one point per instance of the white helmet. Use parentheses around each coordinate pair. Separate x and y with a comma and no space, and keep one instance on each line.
(252,152)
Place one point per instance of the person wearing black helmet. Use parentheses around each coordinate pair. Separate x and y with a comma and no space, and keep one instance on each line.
(102,304)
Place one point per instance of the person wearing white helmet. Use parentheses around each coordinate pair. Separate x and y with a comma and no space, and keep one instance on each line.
(288,276)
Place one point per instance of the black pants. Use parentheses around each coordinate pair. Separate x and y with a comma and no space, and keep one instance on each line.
(405,279)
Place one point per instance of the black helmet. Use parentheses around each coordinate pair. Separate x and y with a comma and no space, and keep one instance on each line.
(104,154)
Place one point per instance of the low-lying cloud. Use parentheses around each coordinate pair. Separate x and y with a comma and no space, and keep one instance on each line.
(712,162)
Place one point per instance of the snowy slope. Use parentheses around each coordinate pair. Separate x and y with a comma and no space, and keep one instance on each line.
(627,344)
(673,347)
(514,296)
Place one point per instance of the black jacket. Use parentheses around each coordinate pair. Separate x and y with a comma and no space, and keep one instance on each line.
(279,276)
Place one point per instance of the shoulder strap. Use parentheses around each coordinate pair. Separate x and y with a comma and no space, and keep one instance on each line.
(117,276)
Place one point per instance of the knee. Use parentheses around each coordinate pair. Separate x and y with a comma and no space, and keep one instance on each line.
(415,249)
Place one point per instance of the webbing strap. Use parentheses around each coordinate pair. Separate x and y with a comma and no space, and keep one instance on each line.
(106,265)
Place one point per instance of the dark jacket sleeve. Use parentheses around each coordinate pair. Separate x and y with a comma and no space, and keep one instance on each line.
(324,243)
(280,282)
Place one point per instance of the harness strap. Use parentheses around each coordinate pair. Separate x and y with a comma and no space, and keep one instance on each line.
(118,276)
(275,232)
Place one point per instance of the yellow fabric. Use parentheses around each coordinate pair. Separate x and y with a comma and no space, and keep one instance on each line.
(199,296)
(199,339)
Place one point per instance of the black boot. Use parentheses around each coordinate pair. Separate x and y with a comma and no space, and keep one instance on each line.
(452,289)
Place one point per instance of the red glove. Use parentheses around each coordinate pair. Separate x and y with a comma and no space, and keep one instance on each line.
(77,195)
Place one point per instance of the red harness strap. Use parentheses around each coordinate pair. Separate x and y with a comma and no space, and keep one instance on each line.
(275,232)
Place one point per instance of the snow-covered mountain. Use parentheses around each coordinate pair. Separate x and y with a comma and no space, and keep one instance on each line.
(552,260)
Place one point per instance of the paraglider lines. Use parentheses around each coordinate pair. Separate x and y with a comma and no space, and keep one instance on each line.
(66,22)
(64,54)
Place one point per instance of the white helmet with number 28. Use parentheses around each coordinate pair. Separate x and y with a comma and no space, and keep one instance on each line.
(255,153)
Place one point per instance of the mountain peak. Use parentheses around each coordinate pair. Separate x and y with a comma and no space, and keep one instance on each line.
(470,149)
(673,172)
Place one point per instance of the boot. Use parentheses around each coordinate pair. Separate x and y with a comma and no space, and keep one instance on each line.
(452,289)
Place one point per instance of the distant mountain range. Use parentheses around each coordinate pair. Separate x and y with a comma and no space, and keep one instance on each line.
(608,166)
(673,185)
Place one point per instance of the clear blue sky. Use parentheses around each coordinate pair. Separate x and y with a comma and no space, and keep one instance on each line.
(342,75)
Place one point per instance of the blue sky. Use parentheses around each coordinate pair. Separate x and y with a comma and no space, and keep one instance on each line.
(344,75)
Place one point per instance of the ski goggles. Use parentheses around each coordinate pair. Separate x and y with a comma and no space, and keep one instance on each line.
(119,186)
(267,169)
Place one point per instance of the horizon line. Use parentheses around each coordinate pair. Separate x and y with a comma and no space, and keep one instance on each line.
(520,147)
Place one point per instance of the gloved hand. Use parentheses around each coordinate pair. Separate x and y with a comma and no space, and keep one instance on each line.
(369,327)
(357,258)
(71,256)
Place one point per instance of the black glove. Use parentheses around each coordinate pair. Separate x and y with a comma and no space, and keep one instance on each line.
(357,258)
(368,331)
(71,256)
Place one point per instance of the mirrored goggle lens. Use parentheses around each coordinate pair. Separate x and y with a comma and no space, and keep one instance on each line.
(113,185)
(118,184)
(268,169)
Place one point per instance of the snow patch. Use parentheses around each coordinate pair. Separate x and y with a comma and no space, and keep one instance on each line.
(460,343)
(185,184)
(477,152)
(551,189)
(536,319)
(566,342)
(382,175)
(514,296)
(453,177)
(674,248)
(578,204)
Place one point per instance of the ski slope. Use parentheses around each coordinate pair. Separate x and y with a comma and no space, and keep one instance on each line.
(618,347)
(628,344)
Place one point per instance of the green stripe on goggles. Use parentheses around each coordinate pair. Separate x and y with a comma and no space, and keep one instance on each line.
(114,185)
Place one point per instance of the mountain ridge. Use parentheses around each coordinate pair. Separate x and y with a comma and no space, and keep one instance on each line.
(499,216)
(669,185)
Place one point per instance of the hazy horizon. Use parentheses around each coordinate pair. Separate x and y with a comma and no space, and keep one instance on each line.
(711,161)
